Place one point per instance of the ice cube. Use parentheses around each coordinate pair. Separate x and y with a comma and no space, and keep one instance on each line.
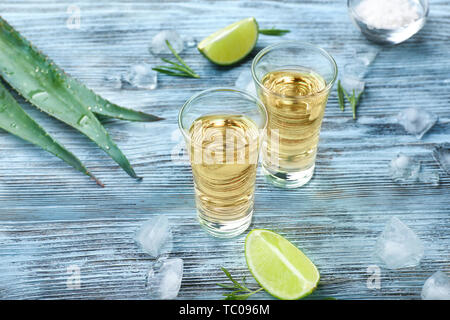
(154,236)
(164,278)
(140,76)
(442,155)
(245,82)
(350,83)
(429,177)
(404,169)
(190,42)
(159,46)
(437,287)
(366,54)
(113,81)
(398,246)
(417,121)
(355,70)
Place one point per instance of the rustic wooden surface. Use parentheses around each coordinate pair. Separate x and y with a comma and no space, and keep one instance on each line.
(52,217)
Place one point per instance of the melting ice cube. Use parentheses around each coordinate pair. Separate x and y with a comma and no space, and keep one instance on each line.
(140,76)
(442,155)
(159,46)
(437,287)
(245,82)
(405,169)
(429,177)
(154,236)
(366,54)
(398,246)
(164,278)
(355,70)
(417,121)
(350,83)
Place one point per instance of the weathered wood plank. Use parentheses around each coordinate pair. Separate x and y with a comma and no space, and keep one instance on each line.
(52,217)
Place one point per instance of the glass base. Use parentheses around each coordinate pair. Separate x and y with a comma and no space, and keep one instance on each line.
(288,180)
(228,229)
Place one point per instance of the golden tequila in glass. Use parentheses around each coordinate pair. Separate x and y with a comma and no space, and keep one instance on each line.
(223,151)
(293,81)
(224,155)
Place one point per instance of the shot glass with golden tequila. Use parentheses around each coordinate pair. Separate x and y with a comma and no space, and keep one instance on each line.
(293,80)
(223,129)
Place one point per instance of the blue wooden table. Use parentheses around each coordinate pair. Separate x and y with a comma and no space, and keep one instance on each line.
(52,218)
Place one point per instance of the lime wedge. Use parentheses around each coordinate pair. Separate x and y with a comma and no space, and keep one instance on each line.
(230,44)
(279,266)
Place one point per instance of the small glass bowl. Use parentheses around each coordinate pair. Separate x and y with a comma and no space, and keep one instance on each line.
(389,36)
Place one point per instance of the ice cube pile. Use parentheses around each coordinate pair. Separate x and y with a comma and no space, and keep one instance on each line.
(417,121)
(154,237)
(398,246)
(437,287)
(405,169)
(159,47)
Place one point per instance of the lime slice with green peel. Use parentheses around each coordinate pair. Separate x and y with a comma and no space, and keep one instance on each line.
(230,44)
(279,266)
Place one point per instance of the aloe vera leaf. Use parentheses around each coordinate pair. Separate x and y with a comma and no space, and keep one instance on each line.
(43,85)
(98,104)
(102,106)
(16,121)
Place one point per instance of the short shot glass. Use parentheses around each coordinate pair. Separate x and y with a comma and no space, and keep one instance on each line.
(293,80)
(223,129)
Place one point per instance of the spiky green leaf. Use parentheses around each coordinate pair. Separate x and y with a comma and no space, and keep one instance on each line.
(16,121)
(43,84)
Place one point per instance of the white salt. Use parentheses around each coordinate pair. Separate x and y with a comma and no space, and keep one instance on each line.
(387,14)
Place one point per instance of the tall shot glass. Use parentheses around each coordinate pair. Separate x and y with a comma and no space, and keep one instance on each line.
(293,80)
(223,130)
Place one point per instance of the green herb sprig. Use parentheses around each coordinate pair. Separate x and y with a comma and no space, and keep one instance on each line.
(274,32)
(180,69)
(352,99)
(240,291)
(340,92)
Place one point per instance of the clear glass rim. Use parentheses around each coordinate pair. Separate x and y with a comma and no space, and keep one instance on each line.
(298,43)
(219,89)
(351,8)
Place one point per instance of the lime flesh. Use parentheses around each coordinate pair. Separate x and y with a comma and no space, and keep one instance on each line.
(279,266)
(230,44)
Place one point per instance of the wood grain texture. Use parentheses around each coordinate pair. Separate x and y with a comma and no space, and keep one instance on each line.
(52,217)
